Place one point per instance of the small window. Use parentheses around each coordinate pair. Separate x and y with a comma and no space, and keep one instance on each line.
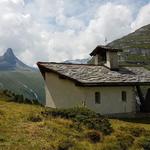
(124,96)
(97,98)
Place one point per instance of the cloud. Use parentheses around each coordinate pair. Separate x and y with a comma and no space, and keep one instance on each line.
(110,21)
(143,17)
(56,30)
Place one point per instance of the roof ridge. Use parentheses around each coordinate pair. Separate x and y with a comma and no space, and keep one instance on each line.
(68,63)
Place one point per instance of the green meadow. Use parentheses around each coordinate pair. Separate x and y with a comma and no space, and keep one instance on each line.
(25,127)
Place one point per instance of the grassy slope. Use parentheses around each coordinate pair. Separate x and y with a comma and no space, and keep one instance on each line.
(138,39)
(15,81)
(17,132)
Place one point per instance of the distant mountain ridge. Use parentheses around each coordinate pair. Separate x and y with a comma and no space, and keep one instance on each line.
(137,42)
(10,62)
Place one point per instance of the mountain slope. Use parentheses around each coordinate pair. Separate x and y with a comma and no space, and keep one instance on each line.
(10,62)
(30,84)
(20,78)
(137,42)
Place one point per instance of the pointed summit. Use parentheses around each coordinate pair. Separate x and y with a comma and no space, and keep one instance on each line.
(9,56)
(10,62)
(9,51)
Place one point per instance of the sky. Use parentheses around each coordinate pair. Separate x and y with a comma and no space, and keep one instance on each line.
(58,30)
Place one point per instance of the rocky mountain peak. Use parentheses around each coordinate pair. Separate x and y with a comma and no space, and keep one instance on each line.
(10,62)
(9,51)
(9,56)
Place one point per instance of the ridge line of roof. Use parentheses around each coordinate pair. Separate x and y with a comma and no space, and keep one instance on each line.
(68,63)
(61,63)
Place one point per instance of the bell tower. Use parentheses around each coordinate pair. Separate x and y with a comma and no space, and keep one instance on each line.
(107,56)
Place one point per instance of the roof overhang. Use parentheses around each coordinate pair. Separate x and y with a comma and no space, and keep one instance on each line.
(44,69)
(101,48)
(115,84)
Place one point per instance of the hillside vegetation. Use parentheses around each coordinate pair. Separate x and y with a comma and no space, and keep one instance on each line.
(28,83)
(135,46)
(137,42)
(20,78)
(28,127)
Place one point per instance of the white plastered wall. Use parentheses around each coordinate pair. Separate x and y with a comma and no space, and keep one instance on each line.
(63,93)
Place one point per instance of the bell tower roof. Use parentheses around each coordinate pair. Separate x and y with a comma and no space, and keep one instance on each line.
(101,49)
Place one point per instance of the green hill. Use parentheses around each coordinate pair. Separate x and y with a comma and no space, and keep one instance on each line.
(137,42)
(28,83)
(25,127)
(136,46)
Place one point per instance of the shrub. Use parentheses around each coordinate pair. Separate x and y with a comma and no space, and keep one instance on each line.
(110,146)
(34,118)
(134,131)
(35,101)
(1,113)
(27,101)
(77,126)
(98,123)
(143,143)
(124,140)
(8,93)
(83,116)
(117,141)
(77,113)
(111,143)
(66,144)
(18,98)
(94,136)
(5,91)
(2,138)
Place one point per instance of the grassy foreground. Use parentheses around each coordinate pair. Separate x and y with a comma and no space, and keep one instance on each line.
(18,132)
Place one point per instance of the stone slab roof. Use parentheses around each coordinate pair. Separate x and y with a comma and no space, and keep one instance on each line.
(92,75)
(102,48)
